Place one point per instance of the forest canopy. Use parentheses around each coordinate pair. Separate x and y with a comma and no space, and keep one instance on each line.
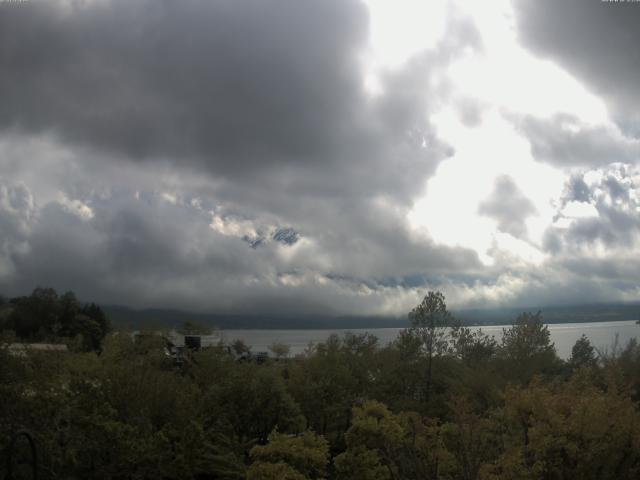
(46,316)
(440,402)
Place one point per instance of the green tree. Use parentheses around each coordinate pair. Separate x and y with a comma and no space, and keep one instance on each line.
(399,373)
(374,441)
(565,431)
(430,323)
(472,438)
(306,455)
(583,354)
(88,330)
(94,312)
(34,316)
(240,348)
(45,316)
(273,471)
(622,368)
(472,347)
(68,308)
(381,445)
(526,349)
(280,350)
(327,384)
(254,400)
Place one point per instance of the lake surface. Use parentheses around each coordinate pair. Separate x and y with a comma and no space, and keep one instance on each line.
(601,335)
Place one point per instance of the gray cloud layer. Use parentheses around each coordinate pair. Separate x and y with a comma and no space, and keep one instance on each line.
(171,131)
(145,146)
(596,41)
(508,205)
(565,141)
(616,220)
(203,79)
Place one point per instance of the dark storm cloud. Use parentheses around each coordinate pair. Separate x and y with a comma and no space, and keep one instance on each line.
(146,250)
(573,283)
(268,94)
(146,145)
(139,125)
(134,250)
(595,40)
(207,80)
(621,270)
(508,205)
(565,141)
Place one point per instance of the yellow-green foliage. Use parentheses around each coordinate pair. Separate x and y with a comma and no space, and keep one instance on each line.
(306,456)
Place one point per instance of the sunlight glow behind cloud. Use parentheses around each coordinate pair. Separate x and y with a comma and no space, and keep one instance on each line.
(503,79)
(403,28)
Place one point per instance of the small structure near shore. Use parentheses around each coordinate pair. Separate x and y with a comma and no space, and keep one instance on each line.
(178,346)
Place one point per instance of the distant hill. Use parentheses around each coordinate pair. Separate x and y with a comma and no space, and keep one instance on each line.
(604,312)
(124,317)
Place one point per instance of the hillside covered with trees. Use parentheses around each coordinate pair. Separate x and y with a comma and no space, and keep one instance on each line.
(45,316)
(441,402)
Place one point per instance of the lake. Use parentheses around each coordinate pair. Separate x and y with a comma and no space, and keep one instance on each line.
(601,335)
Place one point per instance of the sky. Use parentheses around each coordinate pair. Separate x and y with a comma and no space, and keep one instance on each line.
(334,157)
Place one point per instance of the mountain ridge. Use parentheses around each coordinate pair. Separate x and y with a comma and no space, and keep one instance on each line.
(123,317)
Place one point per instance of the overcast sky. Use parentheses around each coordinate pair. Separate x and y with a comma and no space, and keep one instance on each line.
(320,157)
